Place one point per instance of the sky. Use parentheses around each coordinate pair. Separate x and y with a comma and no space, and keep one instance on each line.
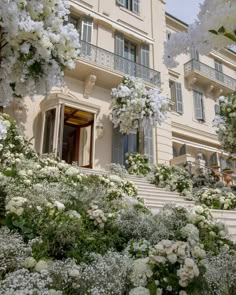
(185,10)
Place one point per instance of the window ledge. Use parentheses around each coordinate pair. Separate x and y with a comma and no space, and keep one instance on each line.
(131,13)
(200,122)
(176,114)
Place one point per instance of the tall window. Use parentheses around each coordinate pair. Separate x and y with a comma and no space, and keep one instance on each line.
(132,5)
(219,71)
(84,25)
(176,96)
(198,105)
(127,55)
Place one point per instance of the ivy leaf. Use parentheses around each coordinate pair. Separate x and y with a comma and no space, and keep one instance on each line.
(230,36)
(221,30)
(213,32)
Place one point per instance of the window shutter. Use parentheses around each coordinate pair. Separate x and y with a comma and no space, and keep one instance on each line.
(183,150)
(119,51)
(117,147)
(198,105)
(214,159)
(219,71)
(145,55)
(194,54)
(132,142)
(148,143)
(179,98)
(135,6)
(121,2)
(217,109)
(119,44)
(223,163)
(87,28)
(175,152)
(172,94)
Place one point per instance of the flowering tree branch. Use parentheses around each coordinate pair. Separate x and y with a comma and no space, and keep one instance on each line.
(35,46)
(215,28)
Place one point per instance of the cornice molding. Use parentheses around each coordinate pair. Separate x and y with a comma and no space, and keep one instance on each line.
(194,131)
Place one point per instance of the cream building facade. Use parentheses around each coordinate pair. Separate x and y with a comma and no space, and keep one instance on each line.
(120,37)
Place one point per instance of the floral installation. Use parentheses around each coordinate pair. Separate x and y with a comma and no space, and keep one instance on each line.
(138,164)
(212,30)
(226,123)
(133,103)
(62,232)
(36,46)
(173,178)
(216,198)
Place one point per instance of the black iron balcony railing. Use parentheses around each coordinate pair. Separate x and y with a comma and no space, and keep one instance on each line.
(211,73)
(116,63)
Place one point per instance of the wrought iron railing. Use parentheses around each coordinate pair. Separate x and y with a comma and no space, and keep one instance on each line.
(211,73)
(116,63)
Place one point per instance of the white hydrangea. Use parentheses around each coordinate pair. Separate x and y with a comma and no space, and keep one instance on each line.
(16,205)
(97,215)
(139,291)
(141,272)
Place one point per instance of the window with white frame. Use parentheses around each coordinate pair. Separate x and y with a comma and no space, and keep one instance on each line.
(176,96)
(84,25)
(132,5)
(198,105)
(129,54)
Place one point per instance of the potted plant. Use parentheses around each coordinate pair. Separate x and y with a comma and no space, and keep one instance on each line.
(227,175)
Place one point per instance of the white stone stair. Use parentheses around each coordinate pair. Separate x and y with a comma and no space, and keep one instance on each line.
(155,198)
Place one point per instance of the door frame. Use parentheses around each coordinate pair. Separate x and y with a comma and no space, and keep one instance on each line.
(58,100)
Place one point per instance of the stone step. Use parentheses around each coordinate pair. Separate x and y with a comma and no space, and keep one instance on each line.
(148,191)
(155,198)
(165,199)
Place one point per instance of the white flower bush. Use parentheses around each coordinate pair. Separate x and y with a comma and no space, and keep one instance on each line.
(216,198)
(226,123)
(213,29)
(62,232)
(132,104)
(36,46)
(173,178)
(138,164)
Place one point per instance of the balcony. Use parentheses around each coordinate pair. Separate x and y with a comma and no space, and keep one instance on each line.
(110,68)
(211,79)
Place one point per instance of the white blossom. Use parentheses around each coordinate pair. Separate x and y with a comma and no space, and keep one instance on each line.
(38,45)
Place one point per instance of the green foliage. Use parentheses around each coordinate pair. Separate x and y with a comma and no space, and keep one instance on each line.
(172,177)
(138,164)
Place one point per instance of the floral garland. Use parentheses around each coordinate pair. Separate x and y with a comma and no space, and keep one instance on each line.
(36,46)
(132,103)
(226,123)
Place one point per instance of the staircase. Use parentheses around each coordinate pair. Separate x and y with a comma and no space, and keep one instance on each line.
(155,198)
